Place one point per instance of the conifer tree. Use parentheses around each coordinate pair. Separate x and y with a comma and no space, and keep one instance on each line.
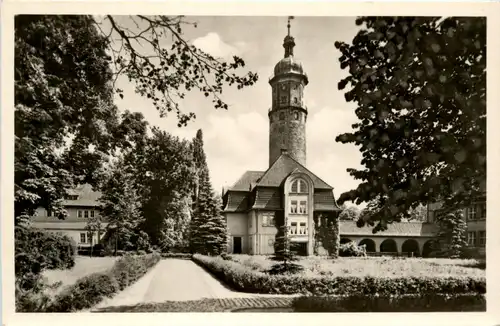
(283,251)
(208,226)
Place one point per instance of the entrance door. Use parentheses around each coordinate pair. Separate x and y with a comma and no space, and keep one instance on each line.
(236,245)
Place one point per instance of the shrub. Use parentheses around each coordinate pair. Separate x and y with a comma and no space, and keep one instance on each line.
(405,303)
(91,289)
(242,279)
(176,255)
(130,267)
(351,249)
(36,251)
(85,293)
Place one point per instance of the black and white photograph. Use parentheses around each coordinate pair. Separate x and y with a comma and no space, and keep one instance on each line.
(248,163)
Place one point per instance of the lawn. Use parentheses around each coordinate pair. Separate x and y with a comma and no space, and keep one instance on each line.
(374,266)
(83,267)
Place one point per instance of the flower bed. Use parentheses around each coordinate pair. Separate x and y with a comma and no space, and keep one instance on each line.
(91,289)
(244,279)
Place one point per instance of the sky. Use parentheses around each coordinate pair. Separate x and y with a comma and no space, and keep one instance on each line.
(237,139)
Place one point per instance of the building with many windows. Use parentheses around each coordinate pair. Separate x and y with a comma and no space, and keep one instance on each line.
(287,185)
(82,203)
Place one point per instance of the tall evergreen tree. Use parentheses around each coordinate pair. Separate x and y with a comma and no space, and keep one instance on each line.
(208,226)
(283,249)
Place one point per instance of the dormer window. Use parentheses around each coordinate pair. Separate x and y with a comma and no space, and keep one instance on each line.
(72,197)
(299,186)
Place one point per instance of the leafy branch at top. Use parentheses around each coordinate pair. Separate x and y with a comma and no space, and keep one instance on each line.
(164,69)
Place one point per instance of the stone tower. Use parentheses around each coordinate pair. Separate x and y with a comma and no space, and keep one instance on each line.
(288,114)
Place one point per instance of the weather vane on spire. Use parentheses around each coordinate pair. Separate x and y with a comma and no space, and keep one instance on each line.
(289,18)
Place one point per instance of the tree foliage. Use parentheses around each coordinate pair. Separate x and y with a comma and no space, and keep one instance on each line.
(350,213)
(419,84)
(208,226)
(166,177)
(284,252)
(451,238)
(66,66)
(152,53)
(121,206)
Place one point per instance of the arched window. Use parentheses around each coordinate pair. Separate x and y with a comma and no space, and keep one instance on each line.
(299,186)
(296,115)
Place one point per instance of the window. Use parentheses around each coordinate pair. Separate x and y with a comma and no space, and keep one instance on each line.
(92,213)
(86,214)
(482,238)
(293,207)
(302,229)
(293,228)
(80,214)
(483,210)
(303,207)
(282,115)
(295,100)
(299,186)
(471,238)
(471,212)
(250,221)
(283,99)
(268,219)
(49,213)
(83,238)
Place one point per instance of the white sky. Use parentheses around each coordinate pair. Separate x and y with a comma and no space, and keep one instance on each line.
(237,140)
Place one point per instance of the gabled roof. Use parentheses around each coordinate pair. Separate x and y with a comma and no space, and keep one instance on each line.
(267,198)
(324,201)
(236,201)
(86,196)
(282,167)
(414,229)
(247,180)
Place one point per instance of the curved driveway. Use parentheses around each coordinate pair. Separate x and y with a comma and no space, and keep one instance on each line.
(173,280)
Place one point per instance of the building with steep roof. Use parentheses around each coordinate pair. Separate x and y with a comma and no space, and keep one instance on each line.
(81,204)
(287,185)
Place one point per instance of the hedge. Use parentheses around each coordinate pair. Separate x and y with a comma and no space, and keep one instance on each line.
(176,255)
(92,289)
(405,303)
(240,278)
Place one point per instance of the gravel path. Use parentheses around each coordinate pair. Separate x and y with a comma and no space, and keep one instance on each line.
(175,280)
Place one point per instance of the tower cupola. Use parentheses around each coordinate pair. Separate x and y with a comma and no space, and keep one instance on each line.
(288,114)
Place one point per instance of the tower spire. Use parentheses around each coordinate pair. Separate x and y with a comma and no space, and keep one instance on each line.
(288,25)
(289,42)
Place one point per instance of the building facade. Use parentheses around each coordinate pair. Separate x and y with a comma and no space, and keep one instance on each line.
(475,218)
(250,205)
(82,203)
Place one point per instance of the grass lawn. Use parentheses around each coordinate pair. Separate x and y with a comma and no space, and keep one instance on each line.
(374,266)
(83,267)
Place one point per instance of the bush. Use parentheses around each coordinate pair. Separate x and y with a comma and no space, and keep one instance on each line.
(176,255)
(36,251)
(91,289)
(404,303)
(351,249)
(282,268)
(242,279)
(87,292)
(129,268)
